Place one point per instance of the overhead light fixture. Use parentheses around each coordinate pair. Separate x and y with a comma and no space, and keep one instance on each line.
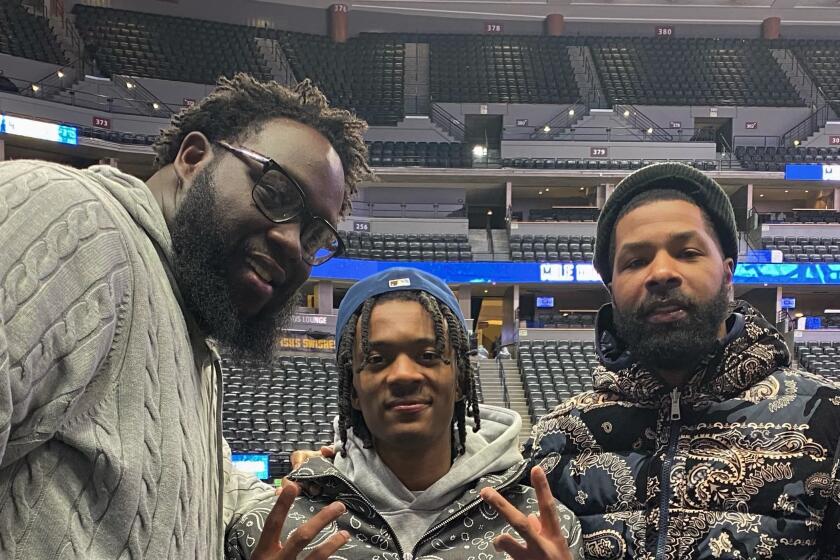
(796,142)
(129,85)
(60,74)
(583,188)
(546,128)
(831,311)
(36,88)
(650,130)
(547,189)
(787,191)
(626,113)
(485,291)
(571,112)
(479,150)
(761,195)
(155,106)
(489,212)
(806,190)
(539,192)
(798,315)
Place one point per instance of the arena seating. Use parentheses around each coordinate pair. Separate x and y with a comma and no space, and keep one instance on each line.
(117,137)
(806,249)
(364,74)
(568,214)
(772,158)
(801,217)
(487,69)
(554,370)
(657,71)
(564,320)
(593,164)
(820,358)
(425,154)
(26,35)
(165,47)
(821,60)
(551,248)
(407,247)
(280,407)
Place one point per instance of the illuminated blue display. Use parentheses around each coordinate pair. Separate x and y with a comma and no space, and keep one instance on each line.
(254,463)
(67,134)
(567,273)
(812,172)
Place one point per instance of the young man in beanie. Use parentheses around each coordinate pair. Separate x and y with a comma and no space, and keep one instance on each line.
(698,440)
(419,465)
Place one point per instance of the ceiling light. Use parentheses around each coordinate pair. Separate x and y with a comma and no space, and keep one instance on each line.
(489,212)
(798,315)
(155,106)
(796,142)
(806,190)
(650,130)
(129,85)
(831,311)
(479,150)
(546,128)
(571,112)
(539,192)
(787,191)
(583,188)
(547,189)
(36,87)
(761,195)
(485,291)
(626,113)
(60,74)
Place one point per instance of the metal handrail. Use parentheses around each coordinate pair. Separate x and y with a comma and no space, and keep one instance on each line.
(617,134)
(809,125)
(447,121)
(365,209)
(502,380)
(642,122)
(562,120)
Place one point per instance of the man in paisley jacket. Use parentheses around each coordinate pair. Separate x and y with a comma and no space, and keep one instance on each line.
(698,441)
(417,479)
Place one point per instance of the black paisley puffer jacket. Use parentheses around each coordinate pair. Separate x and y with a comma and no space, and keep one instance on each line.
(741,462)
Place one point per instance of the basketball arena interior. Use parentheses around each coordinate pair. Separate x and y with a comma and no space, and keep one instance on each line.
(497,131)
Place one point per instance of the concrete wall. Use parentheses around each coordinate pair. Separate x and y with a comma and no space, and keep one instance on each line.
(16,68)
(800,230)
(616,150)
(419,195)
(537,115)
(408,225)
(821,335)
(556,228)
(173,93)
(572,335)
(821,139)
(51,111)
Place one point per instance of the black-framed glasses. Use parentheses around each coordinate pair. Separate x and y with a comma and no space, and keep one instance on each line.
(281,199)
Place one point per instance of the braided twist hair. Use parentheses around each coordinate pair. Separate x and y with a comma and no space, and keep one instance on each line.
(446,324)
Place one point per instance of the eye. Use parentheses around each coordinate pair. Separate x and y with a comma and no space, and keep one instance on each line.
(690,253)
(374,360)
(430,356)
(635,263)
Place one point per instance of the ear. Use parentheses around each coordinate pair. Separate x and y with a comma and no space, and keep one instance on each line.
(195,153)
(729,270)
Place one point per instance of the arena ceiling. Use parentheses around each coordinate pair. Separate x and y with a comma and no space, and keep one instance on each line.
(792,12)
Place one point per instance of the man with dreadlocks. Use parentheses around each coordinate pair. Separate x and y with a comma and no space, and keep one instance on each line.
(114,292)
(419,465)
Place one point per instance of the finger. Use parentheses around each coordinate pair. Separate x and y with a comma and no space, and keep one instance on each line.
(304,534)
(506,543)
(332,544)
(514,517)
(548,509)
(270,540)
(328,452)
(299,457)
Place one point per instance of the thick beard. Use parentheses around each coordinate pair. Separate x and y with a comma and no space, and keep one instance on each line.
(198,244)
(673,346)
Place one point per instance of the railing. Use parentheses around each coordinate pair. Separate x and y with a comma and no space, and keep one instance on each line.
(143,99)
(502,380)
(808,126)
(447,121)
(801,77)
(642,123)
(43,89)
(595,98)
(758,141)
(362,209)
(619,134)
(561,121)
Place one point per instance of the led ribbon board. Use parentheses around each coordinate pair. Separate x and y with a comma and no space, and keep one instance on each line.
(812,172)
(566,272)
(19,126)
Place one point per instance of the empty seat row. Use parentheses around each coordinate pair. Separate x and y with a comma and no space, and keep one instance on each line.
(554,370)
(551,248)
(407,247)
(594,164)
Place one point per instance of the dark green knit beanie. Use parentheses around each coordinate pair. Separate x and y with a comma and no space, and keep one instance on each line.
(668,175)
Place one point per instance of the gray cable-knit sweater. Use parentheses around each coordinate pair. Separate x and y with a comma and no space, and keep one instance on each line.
(110,407)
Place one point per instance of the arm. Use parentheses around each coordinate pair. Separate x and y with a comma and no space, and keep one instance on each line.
(65,281)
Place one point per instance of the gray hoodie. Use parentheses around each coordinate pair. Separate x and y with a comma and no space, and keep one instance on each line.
(494,448)
(448,521)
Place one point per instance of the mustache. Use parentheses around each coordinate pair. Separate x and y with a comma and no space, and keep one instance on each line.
(676,299)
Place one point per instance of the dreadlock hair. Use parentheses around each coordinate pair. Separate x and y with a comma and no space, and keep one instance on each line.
(241,105)
(458,341)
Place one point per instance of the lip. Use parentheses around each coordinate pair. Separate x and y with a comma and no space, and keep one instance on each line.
(278,274)
(408,406)
(666,314)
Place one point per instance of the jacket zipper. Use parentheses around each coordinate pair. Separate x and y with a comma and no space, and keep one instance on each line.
(512,479)
(431,532)
(667,462)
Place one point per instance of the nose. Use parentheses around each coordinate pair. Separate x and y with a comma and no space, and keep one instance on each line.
(284,243)
(663,276)
(404,377)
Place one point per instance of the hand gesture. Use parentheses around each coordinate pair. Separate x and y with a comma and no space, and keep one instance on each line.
(544,539)
(270,547)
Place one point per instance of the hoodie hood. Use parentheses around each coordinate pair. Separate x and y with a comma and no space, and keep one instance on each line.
(751,350)
(493,449)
